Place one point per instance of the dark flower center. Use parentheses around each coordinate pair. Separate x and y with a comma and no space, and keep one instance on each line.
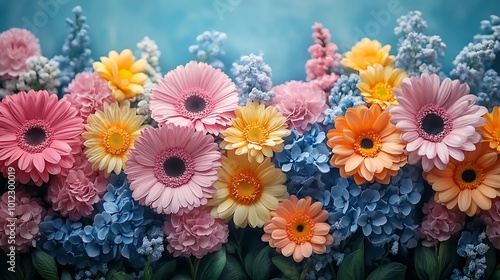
(195,104)
(366,143)
(469,175)
(433,124)
(35,136)
(174,167)
(300,228)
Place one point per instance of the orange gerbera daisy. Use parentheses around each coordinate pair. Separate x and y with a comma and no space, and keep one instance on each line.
(366,53)
(366,145)
(298,227)
(471,184)
(491,130)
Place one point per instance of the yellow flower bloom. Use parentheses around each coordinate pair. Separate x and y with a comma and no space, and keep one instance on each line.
(109,135)
(367,52)
(257,131)
(247,191)
(377,82)
(491,130)
(124,76)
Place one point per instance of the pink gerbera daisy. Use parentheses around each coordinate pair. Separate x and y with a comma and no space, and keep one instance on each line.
(196,95)
(39,135)
(438,120)
(172,168)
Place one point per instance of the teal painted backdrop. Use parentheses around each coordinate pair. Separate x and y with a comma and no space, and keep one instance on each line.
(280,29)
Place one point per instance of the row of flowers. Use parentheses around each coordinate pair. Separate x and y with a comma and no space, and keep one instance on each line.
(374,159)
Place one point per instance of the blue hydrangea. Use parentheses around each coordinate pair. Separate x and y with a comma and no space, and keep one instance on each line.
(152,243)
(344,94)
(417,53)
(490,32)
(253,79)
(76,54)
(488,93)
(472,62)
(472,247)
(96,271)
(209,48)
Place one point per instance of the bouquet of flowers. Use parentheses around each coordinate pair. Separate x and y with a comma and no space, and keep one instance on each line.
(376,166)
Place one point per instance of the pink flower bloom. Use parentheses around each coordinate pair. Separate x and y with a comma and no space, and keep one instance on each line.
(492,220)
(195,233)
(172,168)
(323,58)
(197,96)
(28,214)
(17,45)
(437,120)
(303,104)
(439,223)
(39,135)
(88,92)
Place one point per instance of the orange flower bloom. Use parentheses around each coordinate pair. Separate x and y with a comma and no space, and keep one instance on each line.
(298,228)
(367,53)
(471,184)
(366,145)
(491,130)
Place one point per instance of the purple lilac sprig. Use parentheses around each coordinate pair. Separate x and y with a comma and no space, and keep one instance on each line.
(344,94)
(209,48)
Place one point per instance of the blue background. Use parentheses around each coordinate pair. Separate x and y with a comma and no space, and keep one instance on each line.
(280,29)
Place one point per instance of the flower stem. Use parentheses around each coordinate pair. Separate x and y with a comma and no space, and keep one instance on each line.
(194,267)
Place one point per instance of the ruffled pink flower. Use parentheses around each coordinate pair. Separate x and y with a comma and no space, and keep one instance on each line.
(195,233)
(303,104)
(17,45)
(323,58)
(492,220)
(27,214)
(438,120)
(439,223)
(39,135)
(88,92)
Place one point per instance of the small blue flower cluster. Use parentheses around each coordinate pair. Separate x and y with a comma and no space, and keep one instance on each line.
(490,32)
(344,94)
(150,52)
(92,272)
(417,53)
(152,243)
(209,48)
(472,62)
(385,213)
(42,74)
(253,79)
(472,247)
(76,55)
(115,231)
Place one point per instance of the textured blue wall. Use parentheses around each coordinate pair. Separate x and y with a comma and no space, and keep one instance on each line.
(280,29)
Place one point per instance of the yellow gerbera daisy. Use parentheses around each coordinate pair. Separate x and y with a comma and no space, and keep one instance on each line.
(470,184)
(124,76)
(109,135)
(257,131)
(247,191)
(491,130)
(367,52)
(376,84)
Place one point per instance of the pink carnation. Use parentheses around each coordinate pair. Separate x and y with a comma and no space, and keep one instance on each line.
(440,223)
(88,92)
(195,233)
(492,220)
(303,104)
(27,215)
(323,58)
(73,193)
(17,45)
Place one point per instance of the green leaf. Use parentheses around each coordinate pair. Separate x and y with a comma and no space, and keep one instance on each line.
(164,271)
(249,259)
(28,270)
(233,270)
(181,277)
(426,263)
(148,271)
(262,264)
(496,275)
(389,271)
(287,266)
(353,266)
(212,265)
(65,275)
(491,261)
(121,275)
(44,264)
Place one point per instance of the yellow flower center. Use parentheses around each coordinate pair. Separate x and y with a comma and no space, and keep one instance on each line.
(367,144)
(116,140)
(383,91)
(255,133)
(300,229)
(124,74)
(468,175)
(245,188)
